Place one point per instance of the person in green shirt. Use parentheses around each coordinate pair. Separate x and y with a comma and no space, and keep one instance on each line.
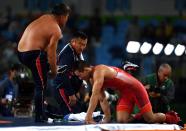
(160,88)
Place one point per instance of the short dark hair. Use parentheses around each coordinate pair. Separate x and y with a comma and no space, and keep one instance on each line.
(60,9)
(79,34)
(80,65)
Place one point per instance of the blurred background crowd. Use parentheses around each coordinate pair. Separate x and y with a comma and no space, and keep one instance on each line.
(110,25)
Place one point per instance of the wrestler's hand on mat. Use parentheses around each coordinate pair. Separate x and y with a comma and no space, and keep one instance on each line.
(72,100)
(89,120)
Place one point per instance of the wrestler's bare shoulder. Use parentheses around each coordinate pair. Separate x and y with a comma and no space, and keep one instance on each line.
(46,22)
(101,67)
(108,71)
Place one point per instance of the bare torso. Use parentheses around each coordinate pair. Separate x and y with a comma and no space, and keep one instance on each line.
(116,78)
(109,73)
(37,35)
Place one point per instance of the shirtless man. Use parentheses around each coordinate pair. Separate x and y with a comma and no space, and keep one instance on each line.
(131,92)
(37,50)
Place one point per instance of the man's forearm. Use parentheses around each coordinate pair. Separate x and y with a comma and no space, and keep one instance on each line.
(52,61)
(105,107)
(53,64)
(53,67)
(92,104)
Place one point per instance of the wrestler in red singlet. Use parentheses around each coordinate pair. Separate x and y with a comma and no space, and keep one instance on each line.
(131,92)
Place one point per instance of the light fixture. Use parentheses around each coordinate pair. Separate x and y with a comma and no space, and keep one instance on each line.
(168,49)
(145,48)
(133,47)
(179,50)
(157,48)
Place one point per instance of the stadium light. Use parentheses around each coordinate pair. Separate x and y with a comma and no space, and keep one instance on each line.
(133,47)
(145,48)
(179,50)
(157,48)
(168,49)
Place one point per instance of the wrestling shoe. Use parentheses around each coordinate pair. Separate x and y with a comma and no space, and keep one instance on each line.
(172,118)
(128,66)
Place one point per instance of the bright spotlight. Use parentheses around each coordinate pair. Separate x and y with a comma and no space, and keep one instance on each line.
(179,50)
(157,48)
(145,48)
(168,49)
(133,46)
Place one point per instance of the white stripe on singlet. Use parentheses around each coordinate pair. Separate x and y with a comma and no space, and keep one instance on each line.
(122,76)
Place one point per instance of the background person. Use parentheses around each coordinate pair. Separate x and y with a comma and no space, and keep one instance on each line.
(160,88)
(8,91)
(68,85)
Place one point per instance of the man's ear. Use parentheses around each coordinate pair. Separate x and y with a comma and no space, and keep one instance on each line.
(72,41)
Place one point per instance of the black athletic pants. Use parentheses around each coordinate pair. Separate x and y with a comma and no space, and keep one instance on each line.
(37,62)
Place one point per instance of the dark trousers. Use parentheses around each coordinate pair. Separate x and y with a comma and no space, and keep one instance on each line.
(63,101)
(37,62)
(67,85)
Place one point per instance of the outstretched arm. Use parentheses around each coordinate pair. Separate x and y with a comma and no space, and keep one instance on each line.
(98,79)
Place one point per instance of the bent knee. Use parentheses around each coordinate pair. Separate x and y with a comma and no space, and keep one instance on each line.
(123,117)
(121,120)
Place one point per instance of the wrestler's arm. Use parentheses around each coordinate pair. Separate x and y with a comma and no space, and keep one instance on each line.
(98,79)
(105,107)
(51,52)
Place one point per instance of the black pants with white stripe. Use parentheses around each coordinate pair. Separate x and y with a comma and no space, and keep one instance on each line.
(37,62)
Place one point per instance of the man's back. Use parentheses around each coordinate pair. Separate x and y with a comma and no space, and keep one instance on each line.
(123,80)
(38,33)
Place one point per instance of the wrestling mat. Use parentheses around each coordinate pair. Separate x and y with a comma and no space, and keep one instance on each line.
(27,124)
